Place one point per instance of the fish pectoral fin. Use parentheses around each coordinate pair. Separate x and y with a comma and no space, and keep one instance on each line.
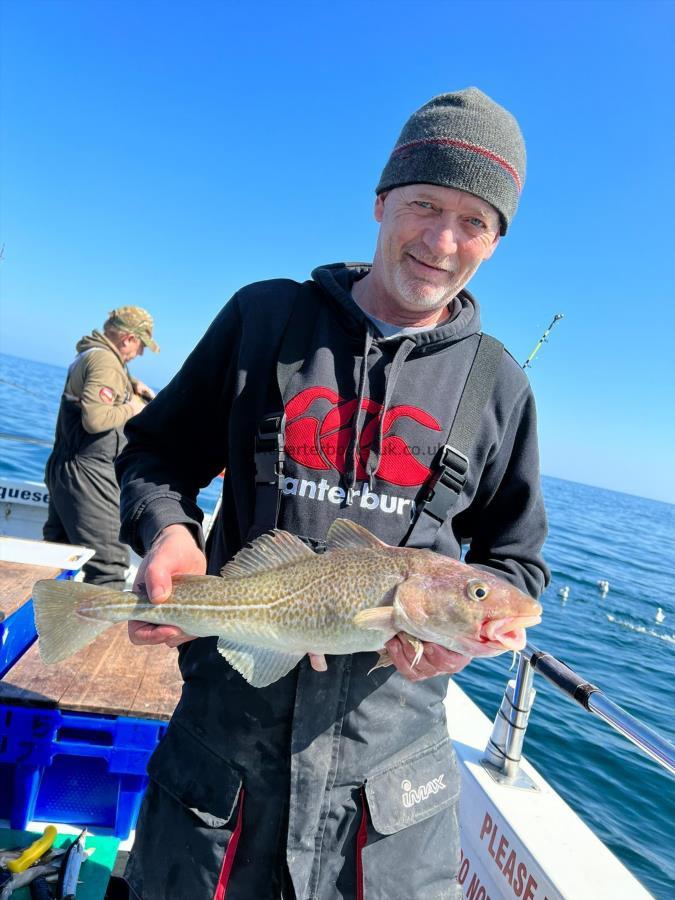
(257,665)
(266,552)
(379,618)
(417,646)
(383,660)
(345,535)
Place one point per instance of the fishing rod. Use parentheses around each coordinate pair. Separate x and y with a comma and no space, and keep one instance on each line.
(20,387)
(505,745)
(24,439)
(542,340)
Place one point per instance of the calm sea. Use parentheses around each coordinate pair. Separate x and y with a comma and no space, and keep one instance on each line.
(614,640)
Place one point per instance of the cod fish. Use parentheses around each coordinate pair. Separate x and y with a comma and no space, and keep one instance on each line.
(277,600)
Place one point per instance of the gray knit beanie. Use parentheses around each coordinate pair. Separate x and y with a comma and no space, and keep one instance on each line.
(466,141)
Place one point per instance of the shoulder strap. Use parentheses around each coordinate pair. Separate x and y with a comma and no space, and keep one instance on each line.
(297,335)
(450,468)
(269,441)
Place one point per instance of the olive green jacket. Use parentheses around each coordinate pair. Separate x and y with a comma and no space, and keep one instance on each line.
(98,381)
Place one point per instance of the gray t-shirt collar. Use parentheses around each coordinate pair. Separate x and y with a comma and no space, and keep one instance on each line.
(388,330)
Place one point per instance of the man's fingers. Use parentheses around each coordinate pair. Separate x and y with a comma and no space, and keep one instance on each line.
(318,662)
(172,552)
(182,638)
(144,633)
(400,660)
(445,660)
(138,587)
(153,580)
(436,660)
(157,583)
(141,633)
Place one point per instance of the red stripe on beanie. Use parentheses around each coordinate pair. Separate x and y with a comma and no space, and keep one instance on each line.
(463,145)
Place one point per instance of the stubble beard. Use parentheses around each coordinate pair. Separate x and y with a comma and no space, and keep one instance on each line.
(419,294)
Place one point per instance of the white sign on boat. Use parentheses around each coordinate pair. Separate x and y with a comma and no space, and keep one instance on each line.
(28,493)
(23,508)
(526,844)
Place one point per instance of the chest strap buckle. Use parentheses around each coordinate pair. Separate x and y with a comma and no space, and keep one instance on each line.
(449,476)
(269,450)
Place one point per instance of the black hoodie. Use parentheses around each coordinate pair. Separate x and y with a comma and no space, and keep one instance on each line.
(365,415)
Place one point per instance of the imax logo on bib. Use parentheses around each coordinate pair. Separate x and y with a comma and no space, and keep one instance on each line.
(411,796)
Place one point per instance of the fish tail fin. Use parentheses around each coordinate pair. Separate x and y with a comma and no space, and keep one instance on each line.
(61,631)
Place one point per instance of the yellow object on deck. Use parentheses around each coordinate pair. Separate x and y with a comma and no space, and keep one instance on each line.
(34,852)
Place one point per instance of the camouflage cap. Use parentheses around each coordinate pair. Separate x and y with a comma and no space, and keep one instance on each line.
(135,320)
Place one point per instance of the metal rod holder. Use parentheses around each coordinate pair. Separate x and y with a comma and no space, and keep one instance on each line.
(523,698)
(504,748)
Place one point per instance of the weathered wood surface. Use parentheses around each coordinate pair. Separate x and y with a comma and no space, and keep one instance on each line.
(109,677)
(16,584)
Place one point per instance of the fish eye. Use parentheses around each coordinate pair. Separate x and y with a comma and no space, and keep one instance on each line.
(477,590)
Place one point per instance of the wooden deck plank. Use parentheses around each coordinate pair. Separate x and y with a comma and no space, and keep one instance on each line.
(109,677)
(109,671)
(16,584)
(161,683)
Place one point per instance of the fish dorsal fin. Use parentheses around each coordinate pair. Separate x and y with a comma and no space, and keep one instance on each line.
(345,535)
(266,552)
(258,666)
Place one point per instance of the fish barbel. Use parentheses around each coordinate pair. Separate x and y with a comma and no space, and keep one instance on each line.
(277,600)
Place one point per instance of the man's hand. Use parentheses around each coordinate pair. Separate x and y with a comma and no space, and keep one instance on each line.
(137,405)
(143,390)
(436,660)
(318,662)
(173,552)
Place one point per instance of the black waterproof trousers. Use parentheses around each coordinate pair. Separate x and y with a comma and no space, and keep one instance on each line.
(342,783)
(84,509)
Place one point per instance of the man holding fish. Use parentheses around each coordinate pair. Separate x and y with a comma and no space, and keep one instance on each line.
(335,777)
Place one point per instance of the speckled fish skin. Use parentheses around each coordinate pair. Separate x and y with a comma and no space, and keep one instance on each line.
(277,595)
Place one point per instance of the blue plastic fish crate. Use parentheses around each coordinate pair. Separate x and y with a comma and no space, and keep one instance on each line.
(83,770)
(17,632)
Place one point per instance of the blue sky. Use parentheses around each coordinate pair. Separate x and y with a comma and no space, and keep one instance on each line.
(165,153)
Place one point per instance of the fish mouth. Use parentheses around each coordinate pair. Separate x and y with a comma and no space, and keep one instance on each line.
(497,635)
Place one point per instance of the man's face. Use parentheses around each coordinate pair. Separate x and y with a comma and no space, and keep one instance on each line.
(131,347)
(431,241)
